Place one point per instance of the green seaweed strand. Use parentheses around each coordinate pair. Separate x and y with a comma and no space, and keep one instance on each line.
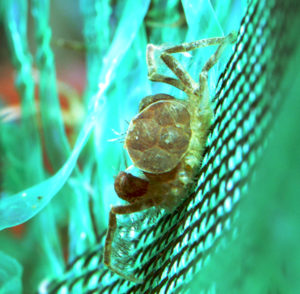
(56,142)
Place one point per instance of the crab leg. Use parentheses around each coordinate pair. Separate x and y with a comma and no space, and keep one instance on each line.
(184,81)
(112,226)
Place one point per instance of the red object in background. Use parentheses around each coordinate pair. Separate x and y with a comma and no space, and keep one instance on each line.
(8,92)
(18,231)
(74,76)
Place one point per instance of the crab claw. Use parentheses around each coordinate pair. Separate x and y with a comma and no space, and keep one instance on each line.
(129,187)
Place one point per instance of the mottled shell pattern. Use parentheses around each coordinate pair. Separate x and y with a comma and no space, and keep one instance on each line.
(159,136)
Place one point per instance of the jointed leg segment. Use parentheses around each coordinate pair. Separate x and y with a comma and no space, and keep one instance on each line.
(184,81)
(152,70)
(184,47)
(112,226)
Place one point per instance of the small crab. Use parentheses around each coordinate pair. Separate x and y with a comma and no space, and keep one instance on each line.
(165,141)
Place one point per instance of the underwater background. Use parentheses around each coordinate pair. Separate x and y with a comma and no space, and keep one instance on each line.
(71,76)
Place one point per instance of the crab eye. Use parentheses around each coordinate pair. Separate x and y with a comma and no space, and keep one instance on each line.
(129,187)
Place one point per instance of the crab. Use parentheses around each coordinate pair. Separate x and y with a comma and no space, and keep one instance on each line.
(166,139)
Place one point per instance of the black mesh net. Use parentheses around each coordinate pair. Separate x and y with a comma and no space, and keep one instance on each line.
(172,253)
